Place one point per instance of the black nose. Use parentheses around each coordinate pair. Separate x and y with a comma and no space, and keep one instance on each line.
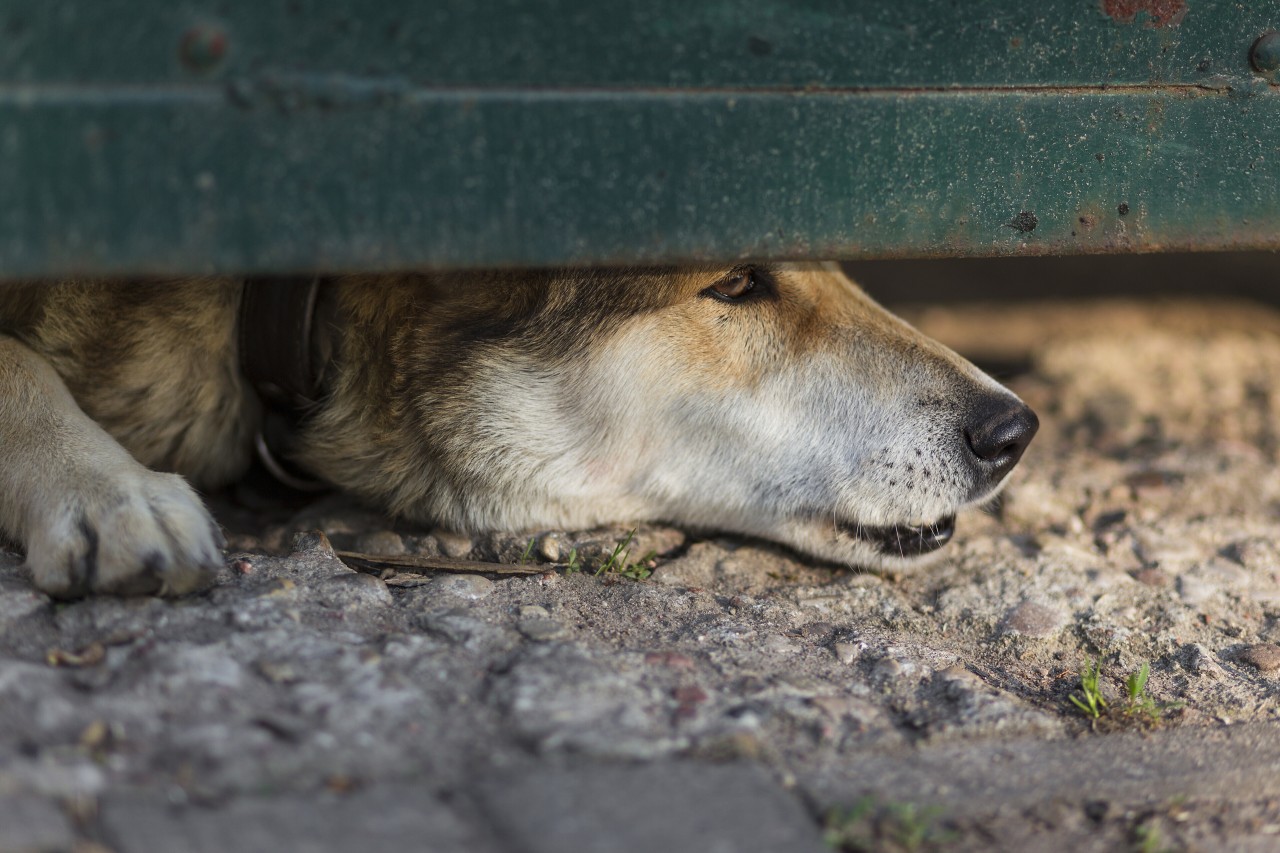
(998,431)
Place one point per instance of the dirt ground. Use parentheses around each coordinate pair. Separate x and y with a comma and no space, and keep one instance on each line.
(926,711)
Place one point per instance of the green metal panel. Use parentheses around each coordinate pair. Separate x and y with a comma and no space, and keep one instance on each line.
(288,136)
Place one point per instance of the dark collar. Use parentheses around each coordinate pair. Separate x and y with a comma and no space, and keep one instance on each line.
(277,316)
(277,356)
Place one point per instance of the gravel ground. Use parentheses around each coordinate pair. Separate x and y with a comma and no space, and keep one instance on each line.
(720,694)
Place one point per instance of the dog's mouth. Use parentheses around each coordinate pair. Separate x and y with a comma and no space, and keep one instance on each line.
(904,540)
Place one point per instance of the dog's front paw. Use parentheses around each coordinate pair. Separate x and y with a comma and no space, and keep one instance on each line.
(139,534)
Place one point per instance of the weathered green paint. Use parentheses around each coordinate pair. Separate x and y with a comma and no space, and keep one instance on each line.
(632,44)
(333,135)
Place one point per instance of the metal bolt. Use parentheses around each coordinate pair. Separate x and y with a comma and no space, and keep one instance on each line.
(203,47)
(1264,56)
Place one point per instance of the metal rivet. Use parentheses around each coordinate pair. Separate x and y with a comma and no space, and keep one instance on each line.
(203,47)
(1264,56)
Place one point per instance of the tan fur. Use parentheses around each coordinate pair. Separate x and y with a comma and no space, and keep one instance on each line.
(479,401)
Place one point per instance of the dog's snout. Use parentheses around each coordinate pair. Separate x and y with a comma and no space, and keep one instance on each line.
(998,431)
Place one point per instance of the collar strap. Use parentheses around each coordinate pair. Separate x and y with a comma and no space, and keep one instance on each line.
(277,316)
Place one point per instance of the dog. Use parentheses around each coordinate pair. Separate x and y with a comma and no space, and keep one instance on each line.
(775,401)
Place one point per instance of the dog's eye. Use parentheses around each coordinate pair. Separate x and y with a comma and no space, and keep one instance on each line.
(734,286)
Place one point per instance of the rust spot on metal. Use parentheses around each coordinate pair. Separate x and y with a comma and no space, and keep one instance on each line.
(203,47)
(1160,13)
(1024,223)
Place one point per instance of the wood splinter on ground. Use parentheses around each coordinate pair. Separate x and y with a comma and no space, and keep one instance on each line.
(419,564)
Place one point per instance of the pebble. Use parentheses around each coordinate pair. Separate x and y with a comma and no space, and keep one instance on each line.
(735,745)
(776,644)
(1153,577)
(1264,656)
(276,672)
(541,628)
(1255,554)
(422,545)
(311,541)
(353,590)
(1196,590)
(1030,619)
(958,675)
(382,542)
(18,600)
(454,545)
(846,653)
(889,668)
(549,548)
(466,587)
(1199,660)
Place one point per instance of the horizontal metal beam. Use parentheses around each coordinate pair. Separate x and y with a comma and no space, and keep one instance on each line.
(629,44)
(215,154)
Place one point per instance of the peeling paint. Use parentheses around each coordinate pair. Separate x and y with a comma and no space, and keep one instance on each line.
(1160,13)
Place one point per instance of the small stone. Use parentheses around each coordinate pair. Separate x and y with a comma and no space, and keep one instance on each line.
(534,611)
(1255,554)
(846,653)
(736,745)
(422,545)
(18,600)
(1264,656)
(1196,589)
(457,625)
(777,644)
(382,542)
(312,541)
(957,674)
(817,630)
(454,545)
(277,673)
(1030,619)
(549,547)
(541,628)
(889,668)
(466,587)
(1153,577)
(1199,660)
(354,590)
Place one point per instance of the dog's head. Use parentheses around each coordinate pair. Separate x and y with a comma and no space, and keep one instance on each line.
(777,401)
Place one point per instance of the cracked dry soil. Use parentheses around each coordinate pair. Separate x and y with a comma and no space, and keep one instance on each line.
(930,711)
